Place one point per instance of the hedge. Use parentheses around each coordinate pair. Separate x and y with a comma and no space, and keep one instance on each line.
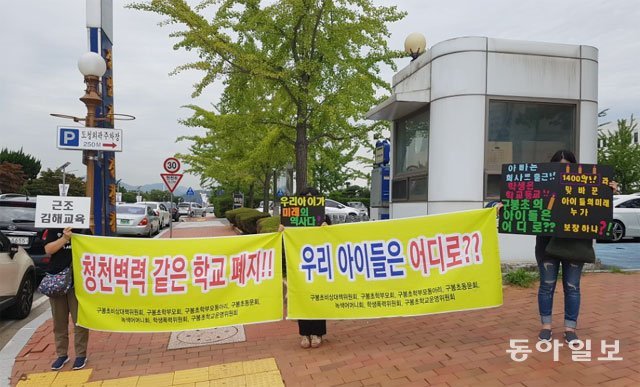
(270,224)
(247,220)
(232,214)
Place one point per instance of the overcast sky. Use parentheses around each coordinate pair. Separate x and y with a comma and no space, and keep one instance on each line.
(42,40)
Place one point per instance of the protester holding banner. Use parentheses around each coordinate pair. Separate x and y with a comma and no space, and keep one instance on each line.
(58,245)
(311,331)
(549,265)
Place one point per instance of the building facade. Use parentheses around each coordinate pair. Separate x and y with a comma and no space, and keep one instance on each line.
(468,105)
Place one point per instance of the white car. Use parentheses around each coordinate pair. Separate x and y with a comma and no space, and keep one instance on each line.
(339,213)
(17,280)
(136,219)
(161,211)
(191,209)
(626,217)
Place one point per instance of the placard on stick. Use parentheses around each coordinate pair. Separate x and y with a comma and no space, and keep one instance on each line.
(302,211)
(566,200)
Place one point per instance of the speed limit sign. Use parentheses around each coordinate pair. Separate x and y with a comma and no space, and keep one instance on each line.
(171,165)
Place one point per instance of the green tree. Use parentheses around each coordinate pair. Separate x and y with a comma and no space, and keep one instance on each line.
(30,165)
(623,154)
(11,177)
(47,184)
(315,62)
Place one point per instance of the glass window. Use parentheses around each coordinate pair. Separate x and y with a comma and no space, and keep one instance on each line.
(520,132)
(412,144)
(411,157)
(635,138)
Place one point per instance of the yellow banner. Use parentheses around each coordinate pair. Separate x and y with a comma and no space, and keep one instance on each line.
(138,285)
(402,267)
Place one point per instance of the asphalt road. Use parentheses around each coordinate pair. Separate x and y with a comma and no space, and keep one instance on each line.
(8,328)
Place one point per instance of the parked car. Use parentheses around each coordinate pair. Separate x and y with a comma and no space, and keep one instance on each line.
(161,211)
(261,206)
(173,210)
(339,213)
(136,219)
(210,209)
(626,217)
(190,209)
(363,211)
(17,222)
(17,280)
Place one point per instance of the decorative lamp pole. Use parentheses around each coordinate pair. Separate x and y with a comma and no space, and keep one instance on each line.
(415,44)
(92,66)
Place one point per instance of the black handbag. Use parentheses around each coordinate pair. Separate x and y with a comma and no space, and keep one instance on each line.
(571,249)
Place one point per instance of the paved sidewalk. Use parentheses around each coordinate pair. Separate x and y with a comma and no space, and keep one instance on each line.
(457,349)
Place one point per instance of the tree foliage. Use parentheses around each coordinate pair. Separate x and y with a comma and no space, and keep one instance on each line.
(47,184)
(11,177)
(298,72)
(30,165)
(623,154)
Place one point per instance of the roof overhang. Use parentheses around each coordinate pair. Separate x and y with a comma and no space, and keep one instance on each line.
(399,105)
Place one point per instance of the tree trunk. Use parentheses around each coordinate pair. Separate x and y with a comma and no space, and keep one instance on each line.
(251,195)
(302,144)
(265,192)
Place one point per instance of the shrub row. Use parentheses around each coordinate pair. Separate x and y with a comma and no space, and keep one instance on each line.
(245,219)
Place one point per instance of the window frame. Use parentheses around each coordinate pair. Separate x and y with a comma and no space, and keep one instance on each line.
(407,176)
(574,147)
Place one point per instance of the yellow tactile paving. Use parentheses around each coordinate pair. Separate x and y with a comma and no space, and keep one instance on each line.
(193,375)
(261,372)
(234,381)
(226,370)
(130,381)
(41,379)
(74,378)
(157,380)
(261,365)
(266,379)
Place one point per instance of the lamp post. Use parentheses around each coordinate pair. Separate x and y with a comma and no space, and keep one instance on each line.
(415,44)
(92,66)
(63,167)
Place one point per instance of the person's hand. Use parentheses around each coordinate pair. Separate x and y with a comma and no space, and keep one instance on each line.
(614,185)
(67,233)
(280,228)
(324,224)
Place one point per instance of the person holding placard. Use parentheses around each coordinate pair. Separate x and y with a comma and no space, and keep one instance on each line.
(58,244)
(311,331)
(549,262)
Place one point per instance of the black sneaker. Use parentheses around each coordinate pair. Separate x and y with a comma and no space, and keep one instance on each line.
(59,363)
(570,336)
(545,335)
(79,363)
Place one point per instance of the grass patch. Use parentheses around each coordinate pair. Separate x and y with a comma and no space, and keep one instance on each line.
(521,278)
(618,270)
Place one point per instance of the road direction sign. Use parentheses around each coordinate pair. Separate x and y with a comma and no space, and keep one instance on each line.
(190,191)
(85,138)
(171,165)
(171,180)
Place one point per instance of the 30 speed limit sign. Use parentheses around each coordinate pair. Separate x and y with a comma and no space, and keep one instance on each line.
(171,165)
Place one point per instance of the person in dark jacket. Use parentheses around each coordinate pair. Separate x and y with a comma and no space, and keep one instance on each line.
(311,331)
(571,273)
(58,244)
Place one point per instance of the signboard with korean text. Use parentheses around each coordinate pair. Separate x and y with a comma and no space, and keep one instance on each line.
(238,200)
(301,211)
(86,138)
(163,285)
(171,180)
(401,267)
(561,199)
(62,211)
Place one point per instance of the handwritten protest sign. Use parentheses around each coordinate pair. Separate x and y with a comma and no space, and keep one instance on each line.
(566,200)
(301,211)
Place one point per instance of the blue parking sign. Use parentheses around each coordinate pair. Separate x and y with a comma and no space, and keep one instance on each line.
(69,137)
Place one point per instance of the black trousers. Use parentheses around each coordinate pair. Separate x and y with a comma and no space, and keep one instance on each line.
(312,327)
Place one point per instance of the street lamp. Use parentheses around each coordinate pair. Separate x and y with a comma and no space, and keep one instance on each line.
(92,66)
(63,167)
(415,44)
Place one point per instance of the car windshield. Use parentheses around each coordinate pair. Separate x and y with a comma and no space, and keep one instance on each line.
(152,205)
(183,205)
(130,210)
(17,214)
